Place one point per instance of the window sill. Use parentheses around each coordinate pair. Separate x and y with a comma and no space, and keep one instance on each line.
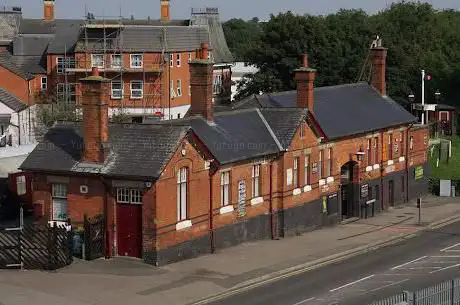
(136,98)
(402,159)
(330,179)
(59,223)
(297,192)
(376,166)
(390,162)
(257,200)
(369,168)
(183,225)
(322,182)
(307,188)
(226,209)
(131,67)
(370,201)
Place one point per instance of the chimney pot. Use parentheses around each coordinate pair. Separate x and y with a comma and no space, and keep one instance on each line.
(201,74)
(379,55)
(94,71)
(305,60)
(48,10)
(165,10)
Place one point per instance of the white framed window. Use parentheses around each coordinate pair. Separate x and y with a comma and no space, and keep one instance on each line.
(137,89)
(179,87)
(302,132)
(256,180)
(116,61)
(376,150)
(320,165)
(182,199)
(129,195)
(60,65)
(225,188)
(411,143)
(307,170)
(295,173)
(178,60)
(21,185)
(189,57)
(60,204)
(217,84)
(97,60)
(137,60)
(369,154)
(171,60)
(66,94)
(330,163)
(209,55)
(171,89)
(116,90)
(43,83)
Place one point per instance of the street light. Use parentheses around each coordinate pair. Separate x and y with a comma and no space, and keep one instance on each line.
(411,97)
(437,96)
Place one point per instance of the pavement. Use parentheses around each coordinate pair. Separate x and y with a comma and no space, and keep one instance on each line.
(232,271)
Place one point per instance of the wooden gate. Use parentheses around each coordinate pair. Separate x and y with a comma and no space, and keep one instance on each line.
(94,237)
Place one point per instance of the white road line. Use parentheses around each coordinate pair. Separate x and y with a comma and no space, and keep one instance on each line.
(394,283)
(304,301)
(442,269)
(352,283)
(402,265)
(442,256)
(450,247)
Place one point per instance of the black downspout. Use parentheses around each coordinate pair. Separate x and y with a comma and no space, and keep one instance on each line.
(407,162)
(19,129)
(106,222)
(272,216)
(382,192)
(211,214)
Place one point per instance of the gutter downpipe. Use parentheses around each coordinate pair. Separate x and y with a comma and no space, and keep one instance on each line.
(407,161)
(211,213)
(382,192)
(106,222)
(272,216)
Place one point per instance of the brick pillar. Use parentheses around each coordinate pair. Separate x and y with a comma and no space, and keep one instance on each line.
(201,73)
(48,10)
(165,10)
(378,78)
(305,80)
(95,116)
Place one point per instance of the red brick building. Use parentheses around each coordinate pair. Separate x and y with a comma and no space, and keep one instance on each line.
(278,165)
(146,60)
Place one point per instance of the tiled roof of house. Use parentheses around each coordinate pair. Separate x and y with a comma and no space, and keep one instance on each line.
(149,39)
(136,151)
(343,110)
(9,62)
(31,45)
(11,101)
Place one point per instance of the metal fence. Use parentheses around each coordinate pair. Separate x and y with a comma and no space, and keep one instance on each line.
(445,293)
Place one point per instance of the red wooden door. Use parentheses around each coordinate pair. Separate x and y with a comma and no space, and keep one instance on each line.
(129,230)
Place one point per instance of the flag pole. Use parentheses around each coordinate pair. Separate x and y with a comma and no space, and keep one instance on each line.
(423,97)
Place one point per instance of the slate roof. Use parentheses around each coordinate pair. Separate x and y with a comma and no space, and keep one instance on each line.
(11,101)
(150,39)
(8,62)
(137,151)
(246,134)
(5,119)
(33,45)
(343,110)
(30,64)
(66,33)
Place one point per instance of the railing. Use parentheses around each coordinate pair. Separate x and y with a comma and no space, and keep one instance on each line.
(445,293)
(438,129)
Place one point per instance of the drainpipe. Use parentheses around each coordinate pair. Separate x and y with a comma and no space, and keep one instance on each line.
(272,216)
(19,129)
(211,213)
(106,222)
(407,161)
(382,205)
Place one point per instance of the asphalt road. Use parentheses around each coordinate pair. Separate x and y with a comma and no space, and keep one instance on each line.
(419,262)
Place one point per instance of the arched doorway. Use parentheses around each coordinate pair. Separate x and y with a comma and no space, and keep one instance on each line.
(349,175)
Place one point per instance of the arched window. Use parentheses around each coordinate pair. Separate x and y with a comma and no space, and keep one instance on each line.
(182,194)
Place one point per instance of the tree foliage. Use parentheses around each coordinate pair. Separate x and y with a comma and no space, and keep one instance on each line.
(417,37)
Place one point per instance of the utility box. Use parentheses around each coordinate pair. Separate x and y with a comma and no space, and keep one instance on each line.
(445,188)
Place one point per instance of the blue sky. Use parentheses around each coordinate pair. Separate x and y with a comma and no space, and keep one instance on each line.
(229,8)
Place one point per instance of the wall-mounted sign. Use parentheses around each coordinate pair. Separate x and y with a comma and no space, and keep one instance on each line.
(364,190)
(418,172)
(241,198)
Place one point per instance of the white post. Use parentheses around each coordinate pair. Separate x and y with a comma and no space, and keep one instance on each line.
(423,97)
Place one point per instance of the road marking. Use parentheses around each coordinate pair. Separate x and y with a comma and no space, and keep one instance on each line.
(402,265)
(352,283)
(304,301)
(442,256)
(442,269)
(394,283)
(450,247)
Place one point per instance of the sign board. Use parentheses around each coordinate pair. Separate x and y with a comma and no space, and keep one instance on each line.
(314,169)
(241,198)
(289,176)
(418,172)
(364,190)
(390,169)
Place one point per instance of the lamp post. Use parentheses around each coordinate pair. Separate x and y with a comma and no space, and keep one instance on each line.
(423,97)
(437,96)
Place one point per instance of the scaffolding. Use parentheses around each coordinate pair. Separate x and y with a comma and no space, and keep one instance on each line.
(103,36)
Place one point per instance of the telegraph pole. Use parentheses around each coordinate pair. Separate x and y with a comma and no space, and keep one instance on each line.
(423,97)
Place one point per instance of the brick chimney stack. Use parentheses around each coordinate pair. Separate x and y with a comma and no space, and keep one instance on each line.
(95,117)
(201,73)
(48,10)
(165,10)
(305,80)
(379,57)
